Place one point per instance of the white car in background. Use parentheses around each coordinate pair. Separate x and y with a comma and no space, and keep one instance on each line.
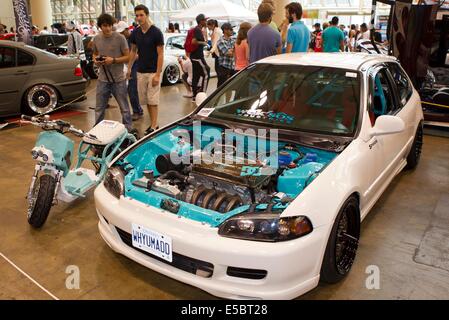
(174,48)
(347,124)
(85,29)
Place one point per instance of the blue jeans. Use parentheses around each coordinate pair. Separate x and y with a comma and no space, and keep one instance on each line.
(118,90)
(133,93)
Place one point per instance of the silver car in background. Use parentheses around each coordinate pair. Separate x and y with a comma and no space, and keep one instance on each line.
(35,81)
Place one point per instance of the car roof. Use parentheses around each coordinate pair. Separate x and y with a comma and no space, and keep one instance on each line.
(12,43)
(344,60)
(50,34)
(43,55)
(169,35)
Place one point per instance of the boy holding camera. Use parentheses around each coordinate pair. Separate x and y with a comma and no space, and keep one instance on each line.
(110,53)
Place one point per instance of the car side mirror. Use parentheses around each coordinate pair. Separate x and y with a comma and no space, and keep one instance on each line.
(387,124)
(200,97)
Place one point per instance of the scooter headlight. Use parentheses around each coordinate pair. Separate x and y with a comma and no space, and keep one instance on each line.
(44,157)
(269,227)
(114,182)
(34,154)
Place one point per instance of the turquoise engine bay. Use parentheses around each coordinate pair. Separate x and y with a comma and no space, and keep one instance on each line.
(192,172)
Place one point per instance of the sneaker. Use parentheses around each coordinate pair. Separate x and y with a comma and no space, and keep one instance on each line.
(150,130)
(136,116)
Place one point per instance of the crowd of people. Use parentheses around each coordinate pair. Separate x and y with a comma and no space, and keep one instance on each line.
(142,51)
(262,40)
(4,29)
(139,50)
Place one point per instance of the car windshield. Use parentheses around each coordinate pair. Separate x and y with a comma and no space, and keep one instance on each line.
(304,98)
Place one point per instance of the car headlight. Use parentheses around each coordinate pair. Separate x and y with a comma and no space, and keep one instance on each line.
(265,227)
(114,182)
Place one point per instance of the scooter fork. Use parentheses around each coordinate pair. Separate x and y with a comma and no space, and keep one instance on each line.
(29,196)
(58,182)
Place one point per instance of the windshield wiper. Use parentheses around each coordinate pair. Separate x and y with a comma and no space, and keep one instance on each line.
(334,145)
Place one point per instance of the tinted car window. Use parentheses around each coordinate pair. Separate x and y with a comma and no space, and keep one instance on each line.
(303,98)
(24,58)
(404,87)
(59,40)
(7,57)
(176,42)
(382,96)
(41,41)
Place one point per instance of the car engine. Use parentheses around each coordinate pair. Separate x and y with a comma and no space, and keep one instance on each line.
(217,186)
(221,180)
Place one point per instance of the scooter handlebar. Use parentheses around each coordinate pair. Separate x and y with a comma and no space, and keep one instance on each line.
(76,131)
(58,124)
(27,118)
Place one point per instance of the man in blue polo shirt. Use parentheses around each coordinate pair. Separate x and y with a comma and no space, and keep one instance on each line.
(298,36)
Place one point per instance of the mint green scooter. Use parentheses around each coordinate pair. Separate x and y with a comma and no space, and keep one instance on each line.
(53,180)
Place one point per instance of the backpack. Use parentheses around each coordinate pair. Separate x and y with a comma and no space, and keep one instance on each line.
(313,41)
(188,45)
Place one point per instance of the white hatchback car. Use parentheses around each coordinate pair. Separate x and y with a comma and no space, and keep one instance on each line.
(341,127)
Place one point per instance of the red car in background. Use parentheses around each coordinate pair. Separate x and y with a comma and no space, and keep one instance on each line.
(8,36)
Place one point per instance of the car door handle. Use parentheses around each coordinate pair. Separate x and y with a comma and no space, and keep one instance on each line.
(20,73)
(372,143)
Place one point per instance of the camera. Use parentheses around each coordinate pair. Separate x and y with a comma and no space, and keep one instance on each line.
(101,58)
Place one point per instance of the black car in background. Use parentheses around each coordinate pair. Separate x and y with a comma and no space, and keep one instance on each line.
(54,43)
(57,44)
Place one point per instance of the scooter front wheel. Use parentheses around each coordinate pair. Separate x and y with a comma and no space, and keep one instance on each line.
(41,201)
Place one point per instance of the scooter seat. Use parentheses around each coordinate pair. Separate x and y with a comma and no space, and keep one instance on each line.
(107,131)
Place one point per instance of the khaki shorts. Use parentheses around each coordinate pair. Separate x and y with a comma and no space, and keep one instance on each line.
(148,95)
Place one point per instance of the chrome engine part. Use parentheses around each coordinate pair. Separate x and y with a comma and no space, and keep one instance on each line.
(218,186)
(245,193)
(212,199)
(163,186)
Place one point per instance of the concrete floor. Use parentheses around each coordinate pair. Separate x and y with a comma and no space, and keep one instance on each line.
(405,235)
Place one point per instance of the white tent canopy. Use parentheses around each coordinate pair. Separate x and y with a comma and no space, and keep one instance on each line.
(222,10)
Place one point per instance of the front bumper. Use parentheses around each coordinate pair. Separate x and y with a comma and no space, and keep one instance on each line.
(292,267)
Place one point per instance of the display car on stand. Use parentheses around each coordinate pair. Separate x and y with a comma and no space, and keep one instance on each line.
(240,213)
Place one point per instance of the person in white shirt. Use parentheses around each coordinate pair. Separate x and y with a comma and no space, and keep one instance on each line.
(75,41)
(364,32)
(216,35)
(186,67)
(93,28)
(44,31)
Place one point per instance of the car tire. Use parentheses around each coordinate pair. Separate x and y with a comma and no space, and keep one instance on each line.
(44,190)
(40,99)
(415,152)
(172,74)
(342,243)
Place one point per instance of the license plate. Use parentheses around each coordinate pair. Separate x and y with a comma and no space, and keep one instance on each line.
(152,242)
